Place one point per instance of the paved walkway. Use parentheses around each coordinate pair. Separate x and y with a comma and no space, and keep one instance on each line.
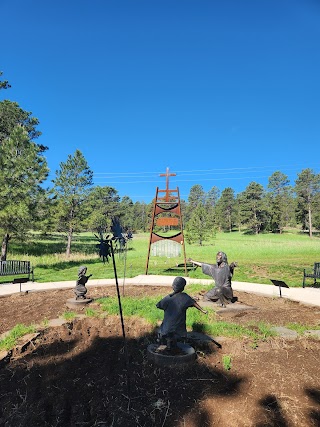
(308,296)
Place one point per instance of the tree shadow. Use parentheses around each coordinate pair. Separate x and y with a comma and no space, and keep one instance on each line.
(63,265)
(56,244)
(80,376)
(66,265)
(312,285)
(180,268)
(52,244)
(271,412)
(314,415)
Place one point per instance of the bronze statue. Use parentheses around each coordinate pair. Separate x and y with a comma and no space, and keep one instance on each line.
(175,305)
(222,273)
(80,290)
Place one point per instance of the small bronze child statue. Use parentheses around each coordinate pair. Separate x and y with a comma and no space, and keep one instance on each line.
(175,305)
(80,290)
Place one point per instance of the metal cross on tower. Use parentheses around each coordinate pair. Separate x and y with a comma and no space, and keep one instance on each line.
(167,191)
(169,204)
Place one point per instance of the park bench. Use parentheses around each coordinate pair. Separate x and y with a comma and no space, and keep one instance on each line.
(13,268)
(312,274)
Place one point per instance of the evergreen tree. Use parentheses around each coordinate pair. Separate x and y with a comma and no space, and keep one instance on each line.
(212,197)
(252,207)
(316,212)
(196,197)
(225,210)
(71,187)
(45,221)
(307,190)
(4,84)
(126,213)
(211,200)
(239,213)
(102,204)
(11,115)
(139,212)
(22,169)
(198,227)
(279,201)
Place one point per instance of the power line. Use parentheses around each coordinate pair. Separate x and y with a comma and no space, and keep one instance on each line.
(187,172)
(199,176)
(195,172)
(183,180)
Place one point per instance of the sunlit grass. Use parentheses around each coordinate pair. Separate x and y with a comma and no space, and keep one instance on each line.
(260,257)
(226,362)
(90,312)
(69,315)
(301,329)
(14,334)
(195,320)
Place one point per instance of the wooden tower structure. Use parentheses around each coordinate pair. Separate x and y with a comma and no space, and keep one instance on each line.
(167,204)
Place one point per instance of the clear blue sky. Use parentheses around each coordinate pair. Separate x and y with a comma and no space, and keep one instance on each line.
(221,92)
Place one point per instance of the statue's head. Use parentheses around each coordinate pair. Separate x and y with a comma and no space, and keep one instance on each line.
(82,270)
(221,257)
(178,284)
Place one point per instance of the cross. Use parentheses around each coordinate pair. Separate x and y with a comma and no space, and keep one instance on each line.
(167,191)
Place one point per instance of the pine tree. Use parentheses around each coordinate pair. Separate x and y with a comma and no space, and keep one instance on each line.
(22,169)
(279,201)
(252,207)
(101,205)
(71,187)
(225,209)
(307,189)
(198,227)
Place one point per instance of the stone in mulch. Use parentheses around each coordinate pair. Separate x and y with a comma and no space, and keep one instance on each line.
(56,322)
(313,332)
(290,334)
(232,308)
(285,332)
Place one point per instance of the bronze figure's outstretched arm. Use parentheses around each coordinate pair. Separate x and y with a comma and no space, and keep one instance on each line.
(195,262)
(196,305)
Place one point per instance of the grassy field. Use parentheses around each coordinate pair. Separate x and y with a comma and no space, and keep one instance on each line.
(259,257)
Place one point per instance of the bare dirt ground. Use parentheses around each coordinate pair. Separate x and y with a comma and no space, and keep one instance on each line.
(76,374)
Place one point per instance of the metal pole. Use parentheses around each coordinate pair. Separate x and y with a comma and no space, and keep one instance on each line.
(122,322)
(151,229)
(124,268)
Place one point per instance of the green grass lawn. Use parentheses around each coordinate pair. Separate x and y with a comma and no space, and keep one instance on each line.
(195,320)
(259,257)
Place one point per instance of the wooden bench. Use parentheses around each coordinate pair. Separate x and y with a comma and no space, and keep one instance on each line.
(13,268)
(312,274)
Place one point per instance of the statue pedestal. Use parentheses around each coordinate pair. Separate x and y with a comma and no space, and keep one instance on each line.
(181,355)
(78,303)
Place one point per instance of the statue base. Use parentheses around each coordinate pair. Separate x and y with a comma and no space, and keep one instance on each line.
(78,303)
(181,355)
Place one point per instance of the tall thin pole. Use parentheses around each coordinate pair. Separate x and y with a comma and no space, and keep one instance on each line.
(124,268)
(181,230)
(122,322)
(151,229)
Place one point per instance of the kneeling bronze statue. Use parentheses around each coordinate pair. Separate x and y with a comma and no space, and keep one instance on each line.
(80,290)
(222,273)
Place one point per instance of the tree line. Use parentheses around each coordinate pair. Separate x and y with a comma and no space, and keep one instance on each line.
(73,204)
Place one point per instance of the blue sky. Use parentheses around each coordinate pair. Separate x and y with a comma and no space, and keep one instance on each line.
(220,92)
